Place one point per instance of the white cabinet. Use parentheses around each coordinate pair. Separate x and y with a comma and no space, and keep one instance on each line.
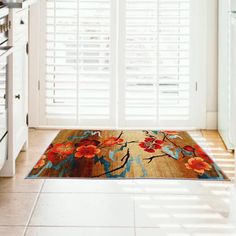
(233,77)
(17,89)
(224,83)
(3,111)
(19,98)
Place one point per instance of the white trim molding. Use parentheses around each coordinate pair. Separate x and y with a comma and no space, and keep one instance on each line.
(34,62)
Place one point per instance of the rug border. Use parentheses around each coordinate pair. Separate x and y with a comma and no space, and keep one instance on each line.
(127,179)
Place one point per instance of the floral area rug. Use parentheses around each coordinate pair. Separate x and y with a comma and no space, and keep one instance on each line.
(126,154)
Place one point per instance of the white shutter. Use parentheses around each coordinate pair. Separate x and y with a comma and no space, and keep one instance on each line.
(138,72)
(174,60)
(124,63)
(155,76)
(78,62)
(61,61)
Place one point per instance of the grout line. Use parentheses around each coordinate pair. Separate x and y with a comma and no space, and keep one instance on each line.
(33,209)
(29,192)
(13,226)
(82,226)
(225,191)
(228,226)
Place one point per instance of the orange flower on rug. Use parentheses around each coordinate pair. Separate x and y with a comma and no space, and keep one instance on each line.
(198,165)
(89,151)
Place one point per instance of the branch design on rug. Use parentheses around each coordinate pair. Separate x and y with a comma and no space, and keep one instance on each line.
(106,164)
(153,157)
(198,160)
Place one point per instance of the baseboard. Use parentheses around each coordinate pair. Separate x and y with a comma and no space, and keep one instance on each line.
(212,120)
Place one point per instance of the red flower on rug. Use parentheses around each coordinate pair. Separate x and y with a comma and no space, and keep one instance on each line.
(112,141)
(89,151)
(201,153)
(53,157)
(41,162)
(63,148)
(86,142)
(151,144)
(188,148)
(198,165)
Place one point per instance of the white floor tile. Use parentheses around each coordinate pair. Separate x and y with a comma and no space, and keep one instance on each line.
(185,187)
(179,210)
(12,231)
(89,186)
(185,232)
(19,185)
(68,231)
(16,208)
(84,210)
(142,186)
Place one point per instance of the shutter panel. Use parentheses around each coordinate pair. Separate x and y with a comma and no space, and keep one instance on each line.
(61,61)
(174,58)
(139,68)
(155,73)
(95,51)
(79,48)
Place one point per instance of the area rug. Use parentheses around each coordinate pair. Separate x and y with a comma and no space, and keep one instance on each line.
(126,154)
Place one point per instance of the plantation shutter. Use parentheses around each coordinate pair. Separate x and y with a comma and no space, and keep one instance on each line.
(124,63)
(155,69)
(174,77)
(79,46)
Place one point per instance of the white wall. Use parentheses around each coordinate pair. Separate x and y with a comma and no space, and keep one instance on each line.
(34,63)
(212,64)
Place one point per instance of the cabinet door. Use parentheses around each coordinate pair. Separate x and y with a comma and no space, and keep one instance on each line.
(19,92)
(224,73)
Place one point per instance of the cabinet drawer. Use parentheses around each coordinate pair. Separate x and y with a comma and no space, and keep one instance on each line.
(20,25)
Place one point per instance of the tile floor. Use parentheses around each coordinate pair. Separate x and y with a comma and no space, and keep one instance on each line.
(116,207)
